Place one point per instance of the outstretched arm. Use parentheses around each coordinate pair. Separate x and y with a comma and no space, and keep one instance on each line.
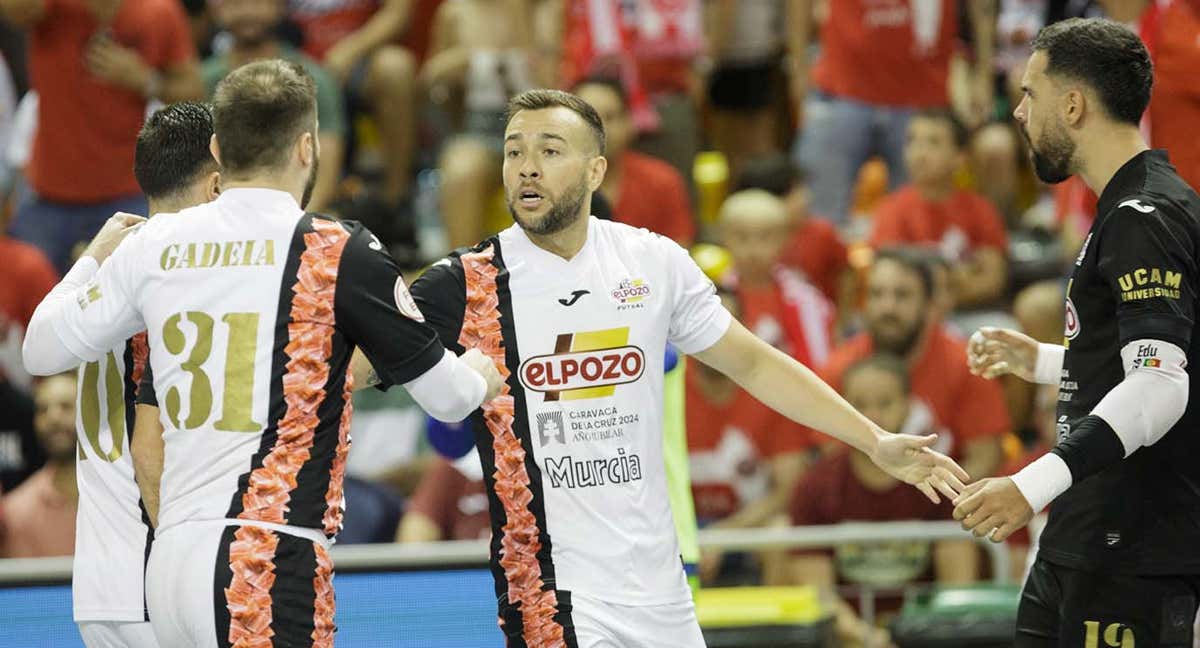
(790,388)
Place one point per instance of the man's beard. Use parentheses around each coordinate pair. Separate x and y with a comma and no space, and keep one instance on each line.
(310,184)
(900,346)
(1052,155)
(563,213)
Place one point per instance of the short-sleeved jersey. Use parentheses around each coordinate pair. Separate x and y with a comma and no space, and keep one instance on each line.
(252,310)
(112,531)
(572,450)
(1134,279)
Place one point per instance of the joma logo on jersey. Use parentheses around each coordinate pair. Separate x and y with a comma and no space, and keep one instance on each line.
(1148,283)
(631,291)
(584,365)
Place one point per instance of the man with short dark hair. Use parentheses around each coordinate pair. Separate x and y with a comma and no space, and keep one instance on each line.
(1118,557)
(253,309)
(577,312)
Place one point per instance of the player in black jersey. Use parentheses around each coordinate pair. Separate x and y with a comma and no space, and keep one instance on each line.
(1119,560)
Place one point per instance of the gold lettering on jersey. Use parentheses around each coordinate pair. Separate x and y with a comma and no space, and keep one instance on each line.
(1149,283)
(191,256)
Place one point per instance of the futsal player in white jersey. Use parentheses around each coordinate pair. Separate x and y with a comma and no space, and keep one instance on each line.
(577,312)
(252,309)
(176,170)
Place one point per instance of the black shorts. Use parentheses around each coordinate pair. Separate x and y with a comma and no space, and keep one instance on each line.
(1077,609)
(744,86)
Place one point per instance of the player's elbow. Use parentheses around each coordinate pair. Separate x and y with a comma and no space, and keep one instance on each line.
(33,351)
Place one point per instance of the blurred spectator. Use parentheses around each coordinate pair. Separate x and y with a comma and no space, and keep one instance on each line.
(1174,41)
(847,487)
(356,41)
(450,503)
(963,226)
(252,25)
(39,516)
(643,191)
(1000,172)
(744,457)
(879,61)
(652,46)
(777,304)
(481,51)
(100,58)
(899,320)
(814,246)
(746,42)
(201,22)
(26,279)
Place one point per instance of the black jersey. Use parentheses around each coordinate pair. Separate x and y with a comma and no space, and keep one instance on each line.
(1135,278)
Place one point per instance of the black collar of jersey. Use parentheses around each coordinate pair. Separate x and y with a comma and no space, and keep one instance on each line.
(1130,178)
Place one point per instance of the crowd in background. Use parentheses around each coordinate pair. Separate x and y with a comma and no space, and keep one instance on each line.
(846,171)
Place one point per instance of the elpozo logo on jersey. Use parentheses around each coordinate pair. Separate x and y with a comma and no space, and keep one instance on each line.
(630,292)
(584,365)
(1071,323)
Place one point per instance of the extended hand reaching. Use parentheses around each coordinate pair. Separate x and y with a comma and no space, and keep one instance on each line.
(910,459)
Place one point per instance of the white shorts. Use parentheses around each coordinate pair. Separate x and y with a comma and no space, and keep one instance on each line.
(599,624)
(117,634)
(219,579)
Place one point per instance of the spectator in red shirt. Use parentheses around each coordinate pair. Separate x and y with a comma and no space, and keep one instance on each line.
(846,487)
(104,58)
(355,40)
(899,320)
(1175,102)
(880,60)
(777,304)
(814,248)
(963,226)
(643,191)
(39,516)
(744,458)
(450,503)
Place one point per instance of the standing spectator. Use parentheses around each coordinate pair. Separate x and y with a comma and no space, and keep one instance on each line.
(252,25)
(777,304)
(879,61)
(899,320)
(356,41)
(481,50)
(814,247)
(651,45)
(102,58)
(963,226)
(746,39)
(1175,102)
(643,191)
(846,487)
(450,503)
(39,516)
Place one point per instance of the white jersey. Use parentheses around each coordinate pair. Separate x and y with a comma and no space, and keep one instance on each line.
(112,537)
(252,309)
(573,455)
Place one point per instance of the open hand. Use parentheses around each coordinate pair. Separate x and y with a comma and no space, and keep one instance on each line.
(992,507)
(909,459)
(119,65)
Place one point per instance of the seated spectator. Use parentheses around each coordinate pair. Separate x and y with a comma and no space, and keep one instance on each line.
(355,40)
(643,191)
(481,51)
(450,503)
(744,457)
(25,280)
(96,65)
(963,226)
(1000,172)
(899,320)
(815,248)
(846,486)
(38,518)
(777,303)
(252,25)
